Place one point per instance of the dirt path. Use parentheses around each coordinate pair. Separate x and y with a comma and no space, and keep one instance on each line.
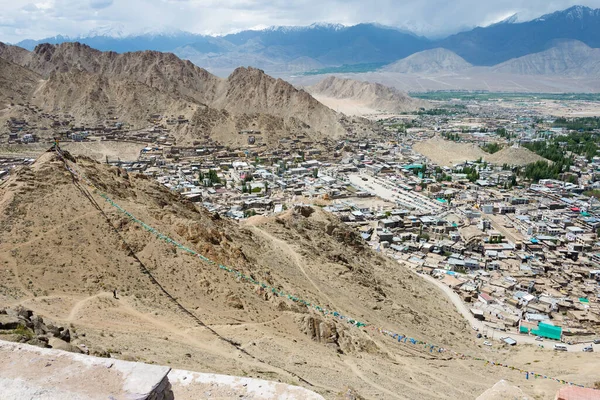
(376,386)
(287,249)
(164,327)
(77,307)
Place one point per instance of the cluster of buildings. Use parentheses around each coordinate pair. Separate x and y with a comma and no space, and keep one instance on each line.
(524,256)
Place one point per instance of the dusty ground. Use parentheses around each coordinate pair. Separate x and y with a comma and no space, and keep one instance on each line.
(94,149)
(448,153)
(61,258)
(346,106)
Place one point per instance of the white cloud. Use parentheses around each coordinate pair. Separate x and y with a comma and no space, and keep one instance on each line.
(99,4)
(42,18)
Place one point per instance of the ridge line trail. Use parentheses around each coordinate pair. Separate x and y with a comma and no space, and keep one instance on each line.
(296,257)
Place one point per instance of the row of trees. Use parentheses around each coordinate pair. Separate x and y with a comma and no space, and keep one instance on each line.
(555,149)
(584,124)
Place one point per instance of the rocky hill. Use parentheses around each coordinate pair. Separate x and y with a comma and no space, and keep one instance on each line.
(433,61)
(154,82)
(566,58)
(374,96)
(92,97)
(16,83)
(65,248)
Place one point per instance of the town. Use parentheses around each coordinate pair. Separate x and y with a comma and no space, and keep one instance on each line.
(495,204)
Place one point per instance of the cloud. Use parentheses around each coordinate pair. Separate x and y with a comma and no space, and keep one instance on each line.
(100,4)
(43,18)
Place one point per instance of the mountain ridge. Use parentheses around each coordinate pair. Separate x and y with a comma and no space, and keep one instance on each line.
(248,96)
(564,58)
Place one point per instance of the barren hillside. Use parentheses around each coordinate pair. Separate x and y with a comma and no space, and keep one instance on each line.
(153,82)
(566,58)
(16,82)
(64,249)
(92,97)
(435,61)
(448,153)
(513,156)
(367,95)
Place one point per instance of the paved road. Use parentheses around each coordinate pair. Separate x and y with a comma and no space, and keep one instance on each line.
(462,308)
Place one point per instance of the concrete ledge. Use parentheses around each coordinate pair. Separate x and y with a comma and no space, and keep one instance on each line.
(29,372)
(188,385)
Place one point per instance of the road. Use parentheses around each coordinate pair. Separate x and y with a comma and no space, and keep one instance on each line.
(376,187)
(466,313)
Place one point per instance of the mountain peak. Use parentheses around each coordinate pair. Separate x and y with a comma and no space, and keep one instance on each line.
(316,25)
(112,30)
(511,19)
(574,13)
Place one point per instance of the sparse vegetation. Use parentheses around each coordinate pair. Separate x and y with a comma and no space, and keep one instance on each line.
(492,148)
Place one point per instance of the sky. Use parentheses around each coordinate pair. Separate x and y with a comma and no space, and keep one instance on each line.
(37,19)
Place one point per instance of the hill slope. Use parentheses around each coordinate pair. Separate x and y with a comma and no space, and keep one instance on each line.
(567,58)
(514,156)
(63,255)
(16,82)
(369,95)
(433,61)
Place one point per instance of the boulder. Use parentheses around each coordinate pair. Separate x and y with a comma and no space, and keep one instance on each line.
(9,322)
(53,329)
(23,312)
(65,335)
(38,325)
(39,343)
(58,344)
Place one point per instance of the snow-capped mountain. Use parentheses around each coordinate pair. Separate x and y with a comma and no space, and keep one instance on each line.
(325,44)
(504,41)
(575,13)
(112,30)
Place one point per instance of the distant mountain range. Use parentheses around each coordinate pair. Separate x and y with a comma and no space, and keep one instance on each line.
(300,49)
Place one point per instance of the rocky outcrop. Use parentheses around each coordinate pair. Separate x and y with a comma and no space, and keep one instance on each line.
(23,326)
(336,336)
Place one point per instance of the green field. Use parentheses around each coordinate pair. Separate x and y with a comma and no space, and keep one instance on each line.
(465,95)
(347,68)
